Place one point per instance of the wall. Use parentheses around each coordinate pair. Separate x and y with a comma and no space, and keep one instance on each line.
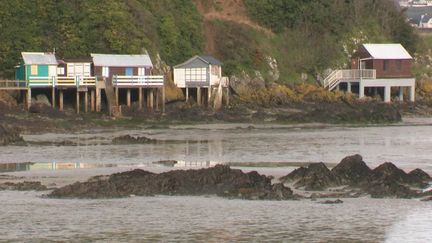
(119,71)
(392,71)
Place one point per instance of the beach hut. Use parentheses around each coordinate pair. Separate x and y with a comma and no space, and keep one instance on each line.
(39,69)
(376,69)
(200,74)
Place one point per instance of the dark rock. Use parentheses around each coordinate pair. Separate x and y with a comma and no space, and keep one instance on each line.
(166,162)
(127,139)
(420,177)
(337,201)
(313,178)
(352,170)
(390,172)
(389,188)
(220,180)
(10,137)
(23,186)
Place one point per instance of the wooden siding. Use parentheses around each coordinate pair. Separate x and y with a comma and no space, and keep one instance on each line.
(392,70)
(119,71)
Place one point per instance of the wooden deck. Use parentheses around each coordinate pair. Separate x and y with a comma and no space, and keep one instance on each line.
(153,81)
(13,85)
(61,81)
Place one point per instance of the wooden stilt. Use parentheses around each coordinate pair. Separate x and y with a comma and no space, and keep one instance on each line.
(117,95)
(151,99)
(98,99)
(208,96)
(187,94)
(140,98)
(128,98)
(86,102)
(227,96)
(61,100)
(157,99)
(77,102)
(92,100)
(53,98)
(199,96)
(29,98)
(163,100)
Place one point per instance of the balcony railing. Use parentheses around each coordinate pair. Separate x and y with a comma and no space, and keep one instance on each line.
(36,81)
(337,76)
(138,81)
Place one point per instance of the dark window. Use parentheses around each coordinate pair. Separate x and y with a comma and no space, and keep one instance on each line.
(399,65)
(386,65)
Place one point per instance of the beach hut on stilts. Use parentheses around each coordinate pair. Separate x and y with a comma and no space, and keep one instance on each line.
(201,78)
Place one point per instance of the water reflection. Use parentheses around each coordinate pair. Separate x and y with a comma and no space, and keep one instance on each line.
(30,166)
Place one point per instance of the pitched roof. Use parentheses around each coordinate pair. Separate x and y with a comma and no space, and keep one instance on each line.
(205,58)
(36,58)
(211,60)
(115,60)
(387,51)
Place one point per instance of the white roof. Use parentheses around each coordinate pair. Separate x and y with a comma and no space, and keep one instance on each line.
(35,58)
(387,51)
(113,60)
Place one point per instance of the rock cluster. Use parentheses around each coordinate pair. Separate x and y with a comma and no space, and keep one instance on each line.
(386,180)
(220,180)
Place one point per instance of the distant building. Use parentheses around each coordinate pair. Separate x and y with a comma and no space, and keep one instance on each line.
(374,67)
(425,22)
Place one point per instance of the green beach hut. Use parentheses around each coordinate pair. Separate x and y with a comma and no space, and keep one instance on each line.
(38,69)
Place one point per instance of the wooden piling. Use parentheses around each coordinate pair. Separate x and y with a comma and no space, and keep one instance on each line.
(199,96)
(86,101)
(77,102)
(61,100)
(29,98)
(157,99)
(163,100)
(187,94)
(92,100)
(98,99)
(151,99)
(117,96)
(128,98)
(227,96)
(140,98)
(208,96)
(53,98)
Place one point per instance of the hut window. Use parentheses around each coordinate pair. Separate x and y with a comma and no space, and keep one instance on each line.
(105,71)
(399,65)
(386,65)
(60,71)
(34,70)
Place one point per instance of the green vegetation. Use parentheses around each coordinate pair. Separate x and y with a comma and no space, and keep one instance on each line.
(304,37)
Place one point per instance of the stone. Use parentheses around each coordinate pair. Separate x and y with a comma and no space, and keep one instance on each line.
(352,170)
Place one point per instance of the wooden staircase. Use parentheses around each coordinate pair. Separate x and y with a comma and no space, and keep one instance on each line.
(347,75)
(113,108)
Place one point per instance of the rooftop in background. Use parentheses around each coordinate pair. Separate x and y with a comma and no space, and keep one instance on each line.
(39,58)
(115,60)
(387,51)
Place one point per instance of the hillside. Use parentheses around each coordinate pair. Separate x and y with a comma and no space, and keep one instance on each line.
(271,40)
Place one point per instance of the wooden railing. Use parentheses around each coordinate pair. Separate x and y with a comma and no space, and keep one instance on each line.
(139,81)
(61,81)
(337,76)
(13,84)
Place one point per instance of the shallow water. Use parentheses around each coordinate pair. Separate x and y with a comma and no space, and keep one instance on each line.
(28,217)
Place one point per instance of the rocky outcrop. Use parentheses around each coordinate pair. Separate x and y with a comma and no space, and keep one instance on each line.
(23,186)
(316,177)
(10,137)
(128,139)
(220,180)
(352,173)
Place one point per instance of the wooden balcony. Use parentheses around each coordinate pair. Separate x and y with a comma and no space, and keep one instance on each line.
(138,81)
(354,75)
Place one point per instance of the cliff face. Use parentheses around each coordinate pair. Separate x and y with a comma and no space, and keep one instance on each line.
(271,40)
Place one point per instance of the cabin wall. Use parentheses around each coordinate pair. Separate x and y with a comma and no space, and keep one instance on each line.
(179,77)
(78,69)
(121,71)
(393,71)
(20,73)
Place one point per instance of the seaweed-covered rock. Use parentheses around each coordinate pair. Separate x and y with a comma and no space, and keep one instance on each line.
(10,137)
(220,180)
(315,177)
(23,186)
(352,170)
(128,139)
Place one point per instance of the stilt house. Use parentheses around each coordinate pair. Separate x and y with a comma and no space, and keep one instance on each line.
(376,68)
(200,73)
